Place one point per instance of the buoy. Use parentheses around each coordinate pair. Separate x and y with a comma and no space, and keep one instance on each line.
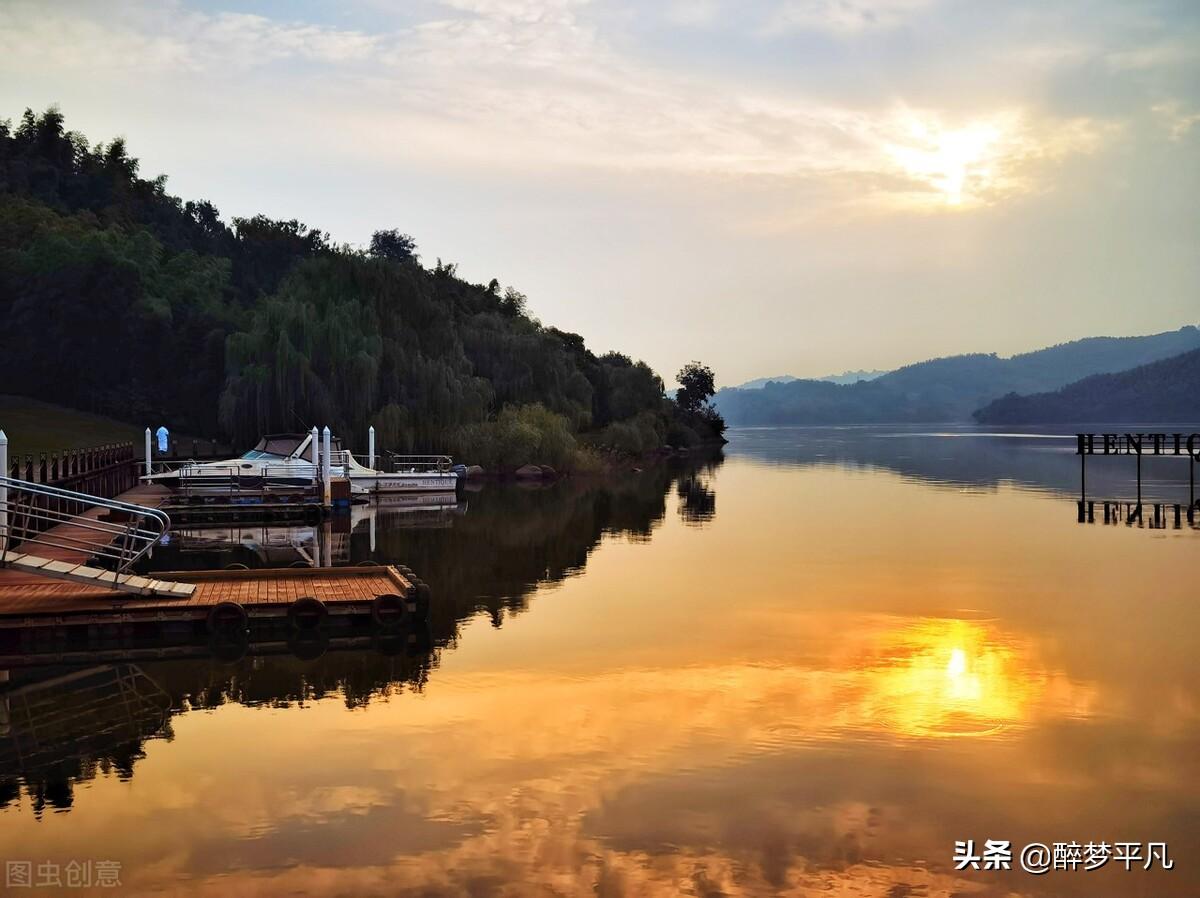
(226,618)
(307,613)
(389,611)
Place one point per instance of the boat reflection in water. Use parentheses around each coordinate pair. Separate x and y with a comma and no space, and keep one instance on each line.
(340,539)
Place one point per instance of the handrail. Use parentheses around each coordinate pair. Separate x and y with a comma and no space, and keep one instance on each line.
(440,463)
(121,543)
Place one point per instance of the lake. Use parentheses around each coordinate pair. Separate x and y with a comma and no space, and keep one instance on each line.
(808,665)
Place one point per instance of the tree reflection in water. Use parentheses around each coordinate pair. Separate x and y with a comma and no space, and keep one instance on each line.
(60,726)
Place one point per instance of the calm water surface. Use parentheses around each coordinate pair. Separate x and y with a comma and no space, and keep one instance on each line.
(805,668)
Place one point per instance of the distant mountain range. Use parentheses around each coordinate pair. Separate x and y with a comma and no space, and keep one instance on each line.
(848,377)
(947,389)
(1166,391)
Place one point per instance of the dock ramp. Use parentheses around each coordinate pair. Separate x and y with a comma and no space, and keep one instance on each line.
(63,535)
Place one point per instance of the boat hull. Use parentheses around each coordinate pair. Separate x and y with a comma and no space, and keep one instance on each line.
(207,486)
(398,484)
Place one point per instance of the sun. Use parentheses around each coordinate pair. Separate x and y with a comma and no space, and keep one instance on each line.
(958,164)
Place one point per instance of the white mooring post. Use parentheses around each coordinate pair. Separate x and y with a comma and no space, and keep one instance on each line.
(3,491)
(316,454)
(371,448)
(326,466)
(148,452)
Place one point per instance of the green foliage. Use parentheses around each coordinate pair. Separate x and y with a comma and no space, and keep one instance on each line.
(696,420)
(643,433)
(519,435)
(121,299)
(393,245)
(33,426)
(696,386)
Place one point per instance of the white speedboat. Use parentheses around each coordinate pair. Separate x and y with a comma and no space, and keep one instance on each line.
(289,462)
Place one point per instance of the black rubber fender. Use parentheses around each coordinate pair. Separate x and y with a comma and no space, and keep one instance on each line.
(307,613)
(419,599)
(226,618)
(390,611)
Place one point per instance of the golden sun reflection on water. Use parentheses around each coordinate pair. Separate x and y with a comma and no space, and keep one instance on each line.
(954,678)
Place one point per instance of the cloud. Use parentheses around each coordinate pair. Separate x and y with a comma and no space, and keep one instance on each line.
(531,85)
(1179,120)
(842,16)
(166,38)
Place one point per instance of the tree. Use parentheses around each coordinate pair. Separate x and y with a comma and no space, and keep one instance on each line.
(394,246)
(514,302)
(696,387)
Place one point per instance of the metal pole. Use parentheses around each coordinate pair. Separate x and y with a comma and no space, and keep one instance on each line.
(148,452)
(315,452)
(326,467)
(3,491)
(371,448)
(1082,477)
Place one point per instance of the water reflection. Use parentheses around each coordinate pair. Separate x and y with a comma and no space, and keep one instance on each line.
(515,539)
(217,546)
(816,691)
(66,725)
(973,457)
(697,499)
(1142,515)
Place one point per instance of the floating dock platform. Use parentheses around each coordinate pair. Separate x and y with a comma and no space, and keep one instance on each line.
(230,614)
(222,599)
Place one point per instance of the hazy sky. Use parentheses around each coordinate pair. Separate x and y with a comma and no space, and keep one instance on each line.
(771,186)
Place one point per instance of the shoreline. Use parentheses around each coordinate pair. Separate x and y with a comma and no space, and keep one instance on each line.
(611,463)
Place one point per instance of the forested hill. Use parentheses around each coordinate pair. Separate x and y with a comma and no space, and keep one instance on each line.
(1167,392)
(948,389)
(121,299)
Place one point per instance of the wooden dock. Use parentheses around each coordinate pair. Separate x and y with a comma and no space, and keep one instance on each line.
(260,593)
(224,602)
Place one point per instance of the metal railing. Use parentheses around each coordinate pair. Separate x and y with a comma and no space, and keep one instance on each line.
(33,514)
(413,464)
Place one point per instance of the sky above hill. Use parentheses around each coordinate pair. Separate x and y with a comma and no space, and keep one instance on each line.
(766,185)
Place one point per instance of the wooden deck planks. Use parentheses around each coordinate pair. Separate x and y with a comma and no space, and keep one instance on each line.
(248,588)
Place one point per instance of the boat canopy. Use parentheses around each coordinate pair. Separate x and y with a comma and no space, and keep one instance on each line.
(285,445)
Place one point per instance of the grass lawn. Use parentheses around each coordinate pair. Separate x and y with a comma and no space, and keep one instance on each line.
(34,426)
